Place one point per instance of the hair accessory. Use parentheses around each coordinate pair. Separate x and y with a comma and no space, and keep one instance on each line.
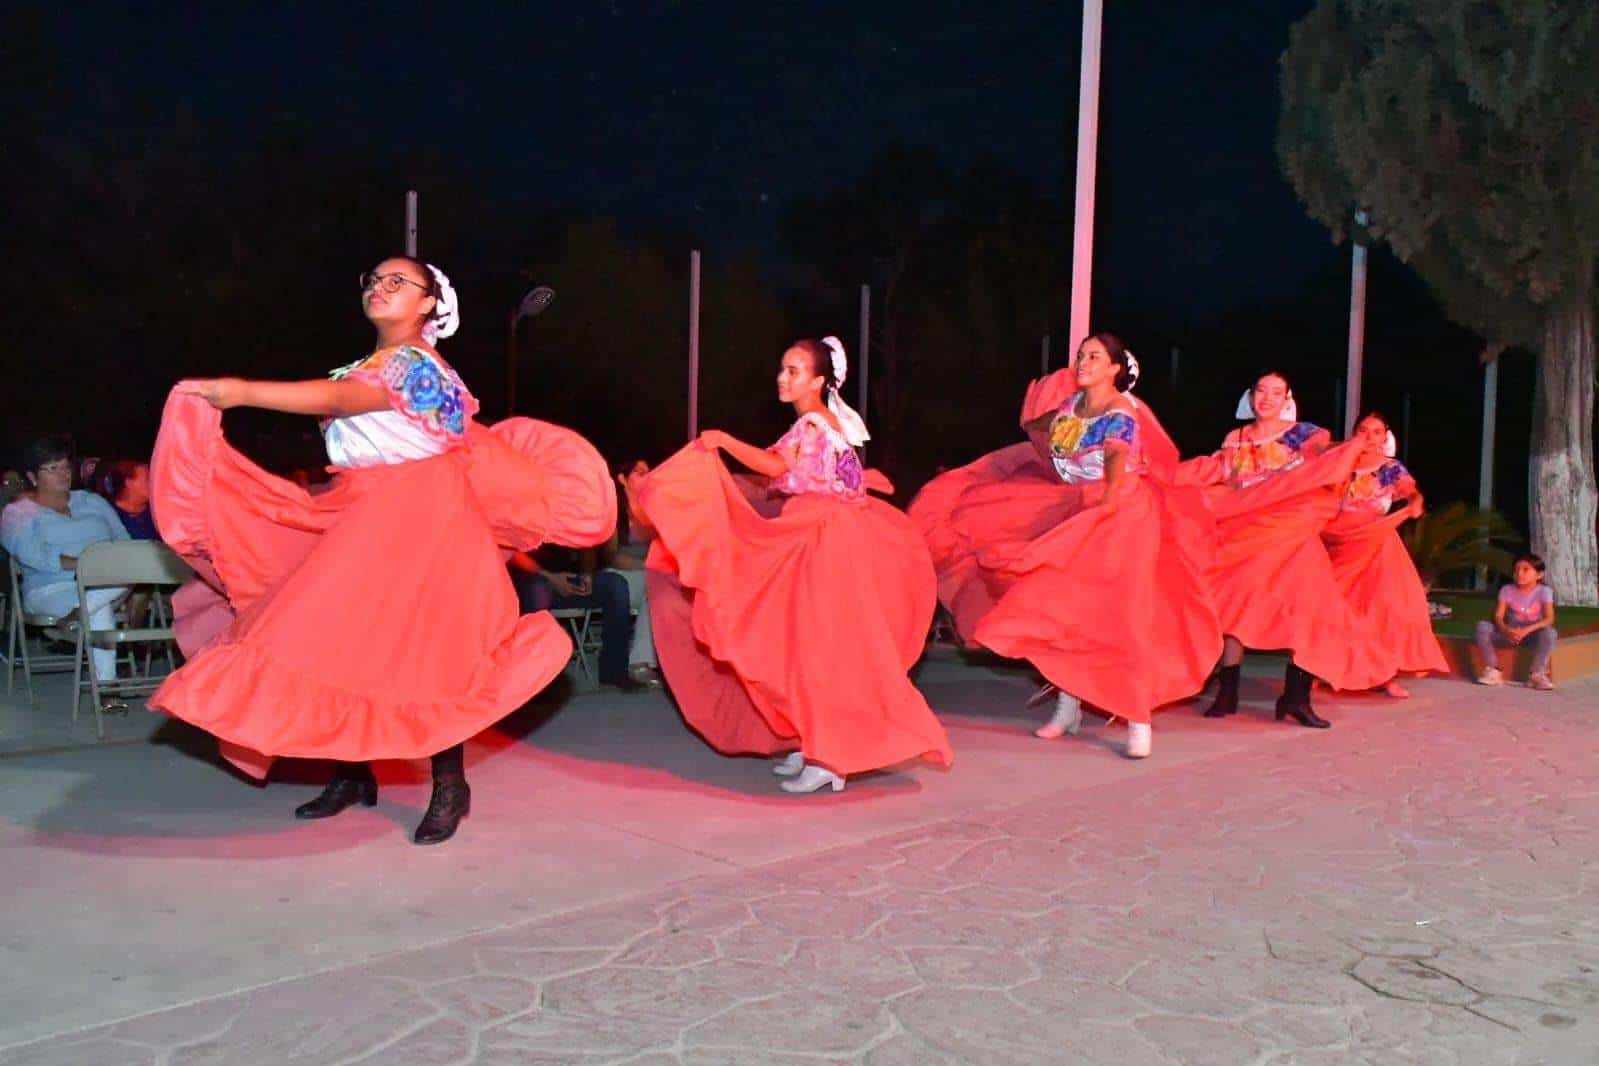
(1390,447)
(446,317)
(1132,371)
(1246,407)
(849,420)
(840,361)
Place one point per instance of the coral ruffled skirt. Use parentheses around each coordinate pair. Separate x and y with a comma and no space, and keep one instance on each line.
(790,629)
(1382,587)
(374,620)
(1273,581)
(1112,606)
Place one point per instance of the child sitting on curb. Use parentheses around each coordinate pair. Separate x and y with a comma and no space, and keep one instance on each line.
(1525,614)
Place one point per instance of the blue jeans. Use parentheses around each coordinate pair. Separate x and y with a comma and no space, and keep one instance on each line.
(1541,641)
(607,593)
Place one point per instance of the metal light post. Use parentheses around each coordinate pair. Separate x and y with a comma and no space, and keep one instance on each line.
(410,223)
(532,305)
(1357,327)
(693,345)
(1087,160)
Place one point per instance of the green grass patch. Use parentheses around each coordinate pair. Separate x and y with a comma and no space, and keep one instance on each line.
(1473,607)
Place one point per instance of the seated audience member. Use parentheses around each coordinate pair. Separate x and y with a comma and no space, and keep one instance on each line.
(624,555)
(1524,614)
(12,485)
(127,486)
(557,578)
(46,530)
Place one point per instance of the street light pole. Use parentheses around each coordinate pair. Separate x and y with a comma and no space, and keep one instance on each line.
(531,306)
(1357,327)
(1087,160)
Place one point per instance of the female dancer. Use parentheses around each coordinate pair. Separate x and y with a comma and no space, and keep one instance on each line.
(1276,486)
(1369,560)
(786,621)
(1102,586)
(374,620)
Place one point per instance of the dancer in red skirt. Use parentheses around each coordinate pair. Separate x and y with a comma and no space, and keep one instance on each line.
(1276,484)
(787,614)
(374,620)
(1370,562)
(1095,572)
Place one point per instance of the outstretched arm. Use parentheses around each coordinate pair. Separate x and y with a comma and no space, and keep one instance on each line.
(325,398)
(763,462)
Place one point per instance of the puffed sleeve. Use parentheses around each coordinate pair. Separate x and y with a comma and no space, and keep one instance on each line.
(424,389)
(1121,431)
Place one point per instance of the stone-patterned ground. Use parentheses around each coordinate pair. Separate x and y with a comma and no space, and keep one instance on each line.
(1419,892)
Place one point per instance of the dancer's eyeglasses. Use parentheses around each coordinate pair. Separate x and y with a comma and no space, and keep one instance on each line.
(387,282)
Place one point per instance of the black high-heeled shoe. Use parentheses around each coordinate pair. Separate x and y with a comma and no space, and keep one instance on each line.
(452,800)
(1226,693)
(1295,701)
(345,790)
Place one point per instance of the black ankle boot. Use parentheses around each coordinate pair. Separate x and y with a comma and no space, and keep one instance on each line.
(1226,693)
(1295,701)
(352,783)
(452,798)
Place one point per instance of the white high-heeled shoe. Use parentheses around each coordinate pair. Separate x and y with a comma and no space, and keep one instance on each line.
(790,764)
(1068,718)
(812,778)
(1140,737)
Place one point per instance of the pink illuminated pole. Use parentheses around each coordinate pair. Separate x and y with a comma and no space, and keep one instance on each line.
(693,345)
(1087,159)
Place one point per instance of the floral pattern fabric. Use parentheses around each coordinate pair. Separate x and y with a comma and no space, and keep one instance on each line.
(1376,489)
(1079,446)
(421,387)
(819,460)
(1250,460)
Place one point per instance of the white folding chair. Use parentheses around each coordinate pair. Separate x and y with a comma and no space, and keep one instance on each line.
(17,621)
(577,621)
(123,564)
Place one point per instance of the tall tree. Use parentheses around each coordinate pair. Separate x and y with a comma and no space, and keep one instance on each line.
(1468,131)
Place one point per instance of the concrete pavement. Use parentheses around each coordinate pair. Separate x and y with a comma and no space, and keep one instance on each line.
(1417,884)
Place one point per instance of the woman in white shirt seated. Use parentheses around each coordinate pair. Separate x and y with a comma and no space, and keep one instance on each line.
(46,530)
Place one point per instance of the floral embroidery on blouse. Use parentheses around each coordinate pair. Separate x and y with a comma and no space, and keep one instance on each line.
(1376,489)
(819,461)
(1250,461)
(420,386)
(1078,445)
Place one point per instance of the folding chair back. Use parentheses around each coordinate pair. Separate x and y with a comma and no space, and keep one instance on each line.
(17,621)
(123,564)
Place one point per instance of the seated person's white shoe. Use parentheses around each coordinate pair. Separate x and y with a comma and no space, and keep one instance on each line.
(790,764)
(1491,676)
(812,778)
(1140,737)
(1541,682)
(1067,718)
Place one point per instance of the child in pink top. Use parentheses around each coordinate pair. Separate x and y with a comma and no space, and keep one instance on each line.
(1525,614)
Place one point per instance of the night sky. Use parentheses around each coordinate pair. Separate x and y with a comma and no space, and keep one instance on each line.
(711,117)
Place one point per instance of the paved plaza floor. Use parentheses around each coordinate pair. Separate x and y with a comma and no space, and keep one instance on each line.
(1419,884)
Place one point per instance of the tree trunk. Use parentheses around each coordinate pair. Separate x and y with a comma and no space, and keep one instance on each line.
(1562,498)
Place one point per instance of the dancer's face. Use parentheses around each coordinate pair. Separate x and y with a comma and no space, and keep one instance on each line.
(1271,392)
(797,378)
(1372,432)
(1094,364)
(396,293)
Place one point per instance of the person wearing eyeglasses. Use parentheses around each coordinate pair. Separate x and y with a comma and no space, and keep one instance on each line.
(375,619)
(46,530)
